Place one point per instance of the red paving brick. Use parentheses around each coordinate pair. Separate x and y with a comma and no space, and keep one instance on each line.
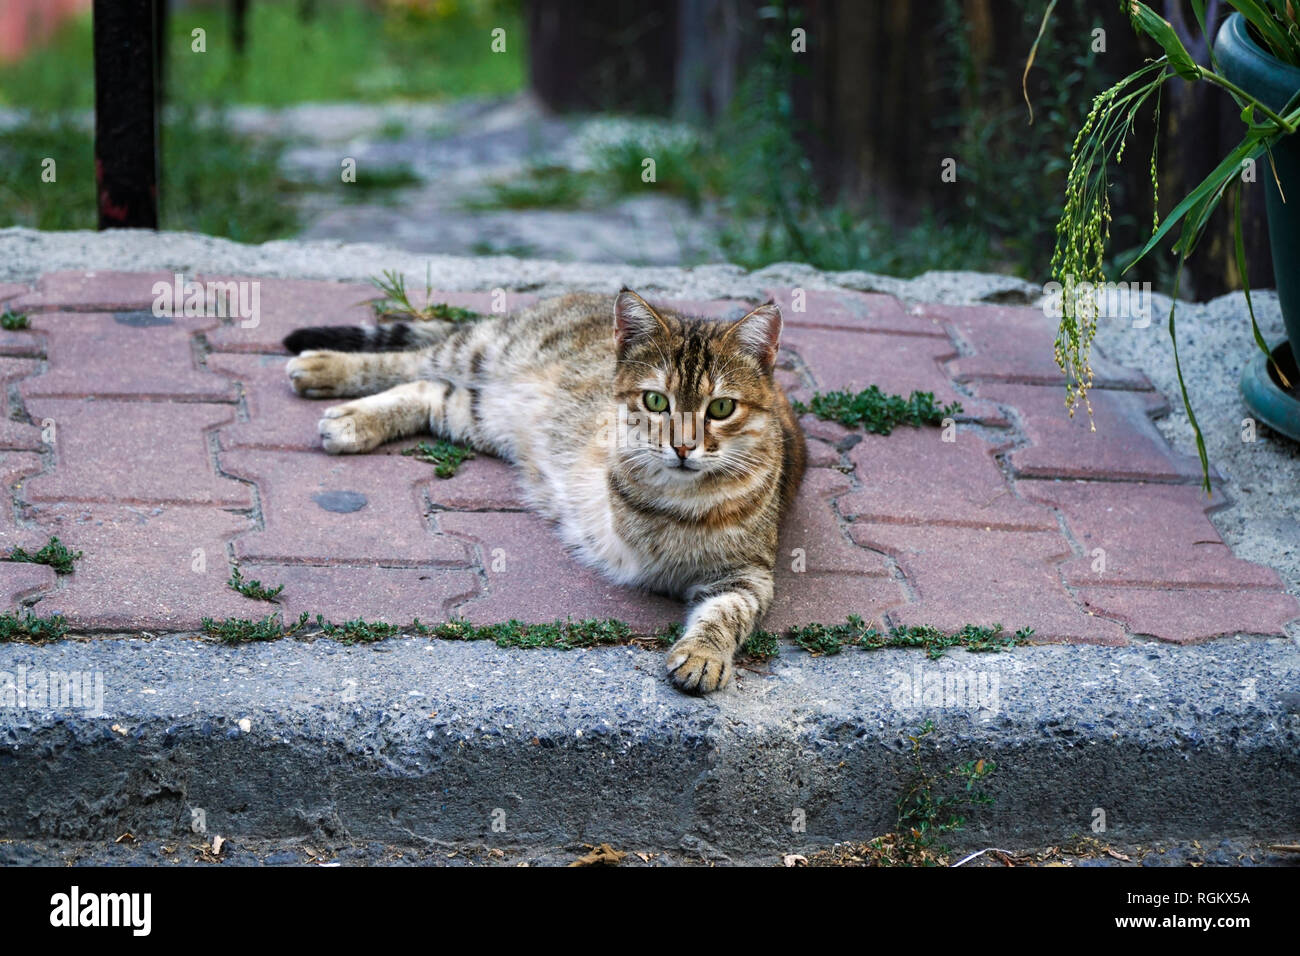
(532,579)
(16,435)
(322,509)
(20,581)
(1148,534)
(14,468)
(845,310)
(103,356)
(914,477)
(288,304)
(11,290)
(1193,614)
(922,532)
(133,452)
(1126,443)
(900,364)
(966,576)
(1016,345)
(97,291)
(390,595)
(145,568)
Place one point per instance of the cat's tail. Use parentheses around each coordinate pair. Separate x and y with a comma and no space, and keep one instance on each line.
(390,337)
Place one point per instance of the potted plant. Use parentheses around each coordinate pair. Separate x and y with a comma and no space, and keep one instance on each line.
(1256,60)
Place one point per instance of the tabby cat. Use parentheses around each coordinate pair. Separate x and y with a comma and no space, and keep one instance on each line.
(659,443)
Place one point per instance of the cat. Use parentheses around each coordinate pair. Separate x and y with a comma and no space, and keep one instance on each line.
(660,444)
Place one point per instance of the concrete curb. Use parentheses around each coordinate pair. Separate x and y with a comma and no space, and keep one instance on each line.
(418,740)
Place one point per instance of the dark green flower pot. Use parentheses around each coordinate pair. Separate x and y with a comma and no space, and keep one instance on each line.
(1274,84)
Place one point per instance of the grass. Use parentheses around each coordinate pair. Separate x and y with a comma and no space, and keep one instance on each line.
(345,51)
(253,589)
(54,553)
(244,631)
(878,412)
(12,321)
(830,639)
(395,301)
(213,181)
(30,629)
(445,456)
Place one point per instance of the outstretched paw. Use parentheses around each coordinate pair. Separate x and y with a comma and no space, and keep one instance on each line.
(319,374)
(697,667)
(349,429)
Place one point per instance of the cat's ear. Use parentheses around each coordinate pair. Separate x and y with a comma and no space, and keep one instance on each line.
(634,319)
(759,334)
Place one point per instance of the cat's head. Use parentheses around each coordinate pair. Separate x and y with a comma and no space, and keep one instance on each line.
(701,391)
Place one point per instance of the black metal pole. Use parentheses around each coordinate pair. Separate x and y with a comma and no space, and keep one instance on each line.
(239,25)
(126,114)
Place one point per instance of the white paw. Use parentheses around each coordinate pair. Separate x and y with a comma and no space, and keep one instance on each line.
(343,431)
(318,374)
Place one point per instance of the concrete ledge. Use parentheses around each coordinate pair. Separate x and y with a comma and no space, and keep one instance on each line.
(418,740)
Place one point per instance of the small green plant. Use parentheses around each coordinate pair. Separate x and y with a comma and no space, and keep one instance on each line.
(541,186)
(12,321)
(829,639)
(762,645)
(560,635)
(927,809)
(445,456)
(877,412)
(54,553)
(253,589)
(396,301)
(30,629)
(244,631)
(358,631)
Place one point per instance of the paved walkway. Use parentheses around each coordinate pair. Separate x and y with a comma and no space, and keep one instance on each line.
(166,448)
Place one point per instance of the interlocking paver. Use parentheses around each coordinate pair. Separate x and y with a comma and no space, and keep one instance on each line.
(11,290)
(14,467)
(1194,614)
(900,364)
(288,304)
(391,595)
(531,578)
(20,581)
(16,435)
(912,476)
(133,452)
(321,509)
(144,568)
(93,291)
(101,355)
(923,531)
(968,576)
(1016,345)
(843,309)
(1125,444)
(1148,534)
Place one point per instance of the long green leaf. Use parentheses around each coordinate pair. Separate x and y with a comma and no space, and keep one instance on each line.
(1182,385)
(1240,244)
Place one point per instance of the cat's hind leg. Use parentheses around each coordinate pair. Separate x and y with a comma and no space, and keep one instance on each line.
(404,410)
(325,374)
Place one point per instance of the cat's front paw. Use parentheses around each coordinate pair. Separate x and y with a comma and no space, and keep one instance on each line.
(349,429)
(318,374)
(698,667)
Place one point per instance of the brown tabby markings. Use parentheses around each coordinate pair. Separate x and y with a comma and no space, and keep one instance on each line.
(540,388)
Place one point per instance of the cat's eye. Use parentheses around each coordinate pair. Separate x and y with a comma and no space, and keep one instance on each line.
(655,401)
(721,407)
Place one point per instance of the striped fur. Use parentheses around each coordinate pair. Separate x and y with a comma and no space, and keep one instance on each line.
(692,512)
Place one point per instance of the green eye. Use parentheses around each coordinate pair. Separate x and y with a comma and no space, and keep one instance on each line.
(721,407)
(655,401)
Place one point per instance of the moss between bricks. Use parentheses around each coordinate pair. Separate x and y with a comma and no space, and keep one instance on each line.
(54,553)
(817,639)
(877,412)
(12,321)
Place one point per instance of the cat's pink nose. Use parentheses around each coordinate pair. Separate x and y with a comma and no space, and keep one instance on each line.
(682,451)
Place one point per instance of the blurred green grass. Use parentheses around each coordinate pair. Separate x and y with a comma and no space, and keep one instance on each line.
(344,51)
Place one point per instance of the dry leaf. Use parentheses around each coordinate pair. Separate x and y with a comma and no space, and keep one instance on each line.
(217,843)
(794,859)
(603,855)
(124,837)
(1117,855)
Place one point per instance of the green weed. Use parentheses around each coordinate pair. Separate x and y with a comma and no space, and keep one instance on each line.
(876,412)
(54,553)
